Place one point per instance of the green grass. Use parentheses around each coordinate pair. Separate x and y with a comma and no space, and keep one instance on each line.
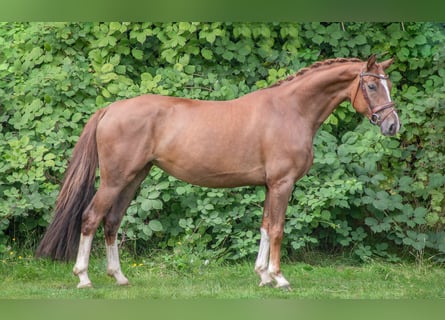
(328,278)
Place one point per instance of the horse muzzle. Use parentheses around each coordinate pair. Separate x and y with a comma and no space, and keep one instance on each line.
(385,116)
(390,125)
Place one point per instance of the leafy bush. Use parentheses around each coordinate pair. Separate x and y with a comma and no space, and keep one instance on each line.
(368,194)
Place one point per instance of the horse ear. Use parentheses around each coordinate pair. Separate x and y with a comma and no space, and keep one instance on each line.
(387,63)
(371,62)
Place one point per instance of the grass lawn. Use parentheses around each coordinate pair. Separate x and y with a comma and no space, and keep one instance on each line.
(23,277)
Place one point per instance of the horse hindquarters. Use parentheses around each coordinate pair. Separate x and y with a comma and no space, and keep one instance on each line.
(124,163)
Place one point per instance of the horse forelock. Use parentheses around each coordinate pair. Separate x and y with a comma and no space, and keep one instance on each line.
(315,66)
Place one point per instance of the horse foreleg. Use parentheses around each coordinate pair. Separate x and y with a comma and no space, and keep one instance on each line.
(279,194)
(262,261)
(274,261)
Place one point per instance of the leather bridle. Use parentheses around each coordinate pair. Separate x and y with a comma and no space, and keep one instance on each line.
(375,117)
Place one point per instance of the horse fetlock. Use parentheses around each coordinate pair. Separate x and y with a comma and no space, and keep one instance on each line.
(84,281)
(281,281)
(269,278)
(119,276)
(122,281)
(266,279)
(78,270)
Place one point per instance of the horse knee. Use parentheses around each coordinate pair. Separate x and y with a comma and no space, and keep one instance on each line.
(111,225)
(276,233)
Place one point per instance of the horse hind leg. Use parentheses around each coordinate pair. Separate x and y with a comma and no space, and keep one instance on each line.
(81,267)
(113,263)
(108,205)
(93,215)
(112,222)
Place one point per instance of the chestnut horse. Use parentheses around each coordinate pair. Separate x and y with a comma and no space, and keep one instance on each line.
(262,138)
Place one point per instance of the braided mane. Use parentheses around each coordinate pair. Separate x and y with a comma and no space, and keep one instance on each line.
(315,66)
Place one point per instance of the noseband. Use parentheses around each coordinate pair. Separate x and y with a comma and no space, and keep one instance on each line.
(375,118)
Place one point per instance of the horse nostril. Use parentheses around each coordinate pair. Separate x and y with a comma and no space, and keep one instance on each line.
(391,128)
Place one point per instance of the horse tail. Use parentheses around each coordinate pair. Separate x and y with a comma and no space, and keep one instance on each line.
(61,239)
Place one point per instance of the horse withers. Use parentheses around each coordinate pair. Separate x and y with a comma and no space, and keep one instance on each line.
(262,138)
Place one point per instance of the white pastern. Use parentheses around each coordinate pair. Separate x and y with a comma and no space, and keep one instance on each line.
(261,264)
(83,256)
(114,266)
(278,277)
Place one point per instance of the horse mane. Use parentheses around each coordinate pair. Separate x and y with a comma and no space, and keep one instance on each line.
(314,66)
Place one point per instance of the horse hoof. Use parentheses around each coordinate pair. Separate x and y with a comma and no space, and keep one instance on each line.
(285,287)
(84,285)
(123,283)
(266,284)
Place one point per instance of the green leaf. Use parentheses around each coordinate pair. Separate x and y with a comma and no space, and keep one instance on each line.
(405,184)
(419,215)
(244,50)
(146,205)
(137,54)
(155,225)
(154,194)
(360,39)
(169,55)
(115,26)
(76,117)
(107,67)
(109,77)
(181,190)
(403,54)
(207,54)
(420,39)
(147,230)
(372,222)
(436,180)
(317,39)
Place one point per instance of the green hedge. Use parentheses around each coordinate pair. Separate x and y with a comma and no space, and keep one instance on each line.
(366,194)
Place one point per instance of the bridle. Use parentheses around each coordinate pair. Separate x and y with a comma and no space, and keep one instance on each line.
(375,118)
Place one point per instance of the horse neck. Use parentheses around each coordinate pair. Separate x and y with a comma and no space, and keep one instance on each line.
(316,93)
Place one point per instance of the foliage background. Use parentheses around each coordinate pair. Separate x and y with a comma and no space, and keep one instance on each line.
(366,195)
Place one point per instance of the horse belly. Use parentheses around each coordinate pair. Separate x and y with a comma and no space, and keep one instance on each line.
(208,167)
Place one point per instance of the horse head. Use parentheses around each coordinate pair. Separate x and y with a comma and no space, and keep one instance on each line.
(372,96)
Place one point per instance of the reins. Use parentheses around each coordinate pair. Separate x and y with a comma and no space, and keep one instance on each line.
(375,118)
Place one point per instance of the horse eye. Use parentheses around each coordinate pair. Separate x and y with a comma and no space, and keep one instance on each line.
(372,86)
